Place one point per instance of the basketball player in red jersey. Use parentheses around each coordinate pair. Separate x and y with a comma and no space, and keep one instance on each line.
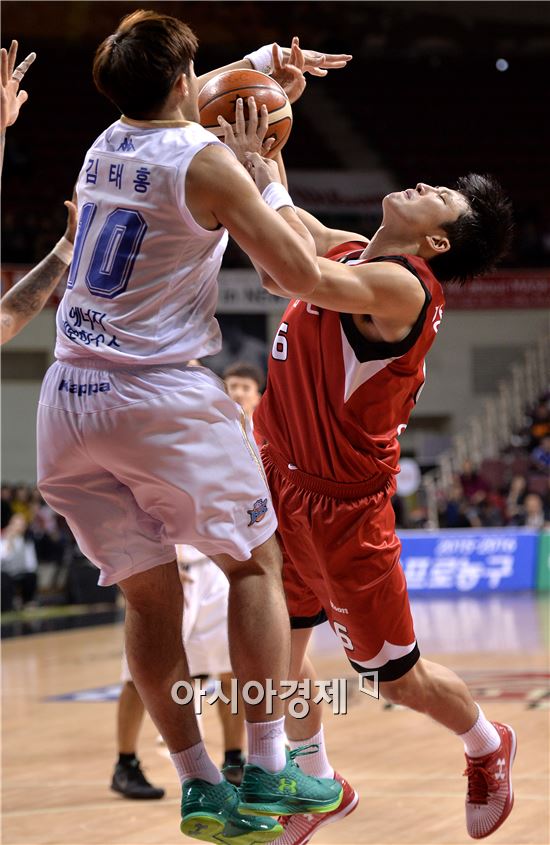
(346,369)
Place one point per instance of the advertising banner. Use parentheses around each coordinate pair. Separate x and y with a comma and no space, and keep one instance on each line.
(462,562)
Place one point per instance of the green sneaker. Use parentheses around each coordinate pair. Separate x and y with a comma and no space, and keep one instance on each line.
(289,791)
(210,813)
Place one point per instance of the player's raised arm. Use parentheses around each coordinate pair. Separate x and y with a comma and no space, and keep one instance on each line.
(219,191)
(271,59)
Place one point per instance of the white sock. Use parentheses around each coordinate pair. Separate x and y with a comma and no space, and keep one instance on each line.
(266,744)
(315,764)
(482,739)
(194,762)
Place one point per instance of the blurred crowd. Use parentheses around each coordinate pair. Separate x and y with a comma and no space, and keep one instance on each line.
(513,489)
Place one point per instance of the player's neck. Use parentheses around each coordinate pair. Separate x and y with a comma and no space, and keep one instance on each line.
(384,242)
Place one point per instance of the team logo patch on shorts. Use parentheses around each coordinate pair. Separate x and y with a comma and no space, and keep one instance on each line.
(257,511)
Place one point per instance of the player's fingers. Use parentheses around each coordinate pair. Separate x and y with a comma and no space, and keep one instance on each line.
(240,127)
(22,68)
(336,61)
(229,136)
(253,158)
(22,97)
(267,145)
(276,58)
(252,117)
(71,220)
(4,66)
(263,125)
(317,71)
(12,55)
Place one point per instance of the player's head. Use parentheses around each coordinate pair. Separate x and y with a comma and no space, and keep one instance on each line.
(244,384)
(138,66)
(463,231)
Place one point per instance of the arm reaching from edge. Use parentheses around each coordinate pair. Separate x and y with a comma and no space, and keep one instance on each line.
(28,297)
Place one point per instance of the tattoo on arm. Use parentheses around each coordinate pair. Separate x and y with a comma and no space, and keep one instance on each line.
(30,294)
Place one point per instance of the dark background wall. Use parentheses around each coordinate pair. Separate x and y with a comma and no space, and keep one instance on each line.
(423,92)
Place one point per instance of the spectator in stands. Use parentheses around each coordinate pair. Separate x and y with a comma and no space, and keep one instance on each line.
(21,502)
(454,513)
(18,560)
(532,515)
(540,424)
(516,498)
(540,455)
(244,383)
(474,486)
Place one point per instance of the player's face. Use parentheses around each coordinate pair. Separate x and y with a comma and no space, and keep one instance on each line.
(425,209)
(243,391)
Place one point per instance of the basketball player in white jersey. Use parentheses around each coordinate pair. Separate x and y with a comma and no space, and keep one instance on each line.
(139,451)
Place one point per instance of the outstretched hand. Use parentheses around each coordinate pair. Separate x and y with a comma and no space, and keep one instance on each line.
(290,71)
(11,97)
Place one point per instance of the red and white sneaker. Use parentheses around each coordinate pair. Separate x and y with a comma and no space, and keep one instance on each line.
(490,795)
(300,829)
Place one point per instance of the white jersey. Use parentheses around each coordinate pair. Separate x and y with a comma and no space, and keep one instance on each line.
(142,287)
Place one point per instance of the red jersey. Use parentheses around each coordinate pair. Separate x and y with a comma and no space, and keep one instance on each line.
(336,402)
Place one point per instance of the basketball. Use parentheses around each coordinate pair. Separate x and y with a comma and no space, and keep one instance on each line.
(220,94)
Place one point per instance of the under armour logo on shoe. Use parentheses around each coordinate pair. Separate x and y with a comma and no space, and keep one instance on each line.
(286,785)
(198,827)
(501,774)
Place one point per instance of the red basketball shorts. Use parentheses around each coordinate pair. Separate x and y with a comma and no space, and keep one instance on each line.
(341,562)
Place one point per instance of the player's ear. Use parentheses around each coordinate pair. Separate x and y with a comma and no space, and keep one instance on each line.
(438,243)
(181,85)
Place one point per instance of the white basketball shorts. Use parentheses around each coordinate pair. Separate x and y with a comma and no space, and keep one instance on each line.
(204,628)
(138,460)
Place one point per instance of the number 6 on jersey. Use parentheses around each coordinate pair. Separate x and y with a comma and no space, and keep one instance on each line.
(279,350)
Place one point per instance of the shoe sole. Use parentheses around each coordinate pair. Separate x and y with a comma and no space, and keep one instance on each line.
(288,808)
(137,797)
(511,792)
(346,811)
(210,829)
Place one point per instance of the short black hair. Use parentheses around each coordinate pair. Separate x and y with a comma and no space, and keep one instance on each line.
(241,370)
(481,237)
(137,66)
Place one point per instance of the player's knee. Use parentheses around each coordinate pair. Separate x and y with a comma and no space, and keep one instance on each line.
(158,587)
(409,690)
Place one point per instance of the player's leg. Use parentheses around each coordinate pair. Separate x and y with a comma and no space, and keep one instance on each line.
(204,633)
(490,747)
(129,550)
(128,778)
(233,727)
(199,474)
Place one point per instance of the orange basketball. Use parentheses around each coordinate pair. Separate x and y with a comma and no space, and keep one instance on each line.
(220,95)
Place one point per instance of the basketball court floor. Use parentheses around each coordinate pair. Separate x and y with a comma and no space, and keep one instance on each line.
(59,705)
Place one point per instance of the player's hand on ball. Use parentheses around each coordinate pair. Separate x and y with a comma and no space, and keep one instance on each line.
(247,136)
(263,170)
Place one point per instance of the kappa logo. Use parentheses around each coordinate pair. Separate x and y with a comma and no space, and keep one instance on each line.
(257,511)
(126,146)
(85,389)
